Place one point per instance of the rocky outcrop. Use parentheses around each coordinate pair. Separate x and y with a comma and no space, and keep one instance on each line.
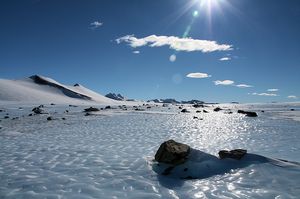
(234,154)
(172,152)
(217,109)
(38,110)
(91,109)
(248,113)
(70,93)
(184,111)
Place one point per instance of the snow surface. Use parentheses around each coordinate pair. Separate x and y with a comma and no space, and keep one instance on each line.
(110,154)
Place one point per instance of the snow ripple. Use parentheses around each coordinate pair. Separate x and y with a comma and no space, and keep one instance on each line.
(110,156)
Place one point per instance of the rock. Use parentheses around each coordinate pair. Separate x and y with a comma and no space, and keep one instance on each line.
(292,109)
(108,107)
(229,112)
(30,114)
(262,111)
(148,107)
(205,111)
(49,118)
(1,110)
(184,111)
(6,117)
(248,113)
(217,109)
(198,106)
(198,111)
(180,107)
(195,117)
(91,109)
(37,110)
(234,154)
(52,104)
(63,118)
(72,105)
(172,152)
(87,114)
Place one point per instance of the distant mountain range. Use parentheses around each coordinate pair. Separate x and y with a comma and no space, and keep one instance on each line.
(174,101)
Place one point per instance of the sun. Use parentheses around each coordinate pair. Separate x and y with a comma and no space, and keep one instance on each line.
(209,5)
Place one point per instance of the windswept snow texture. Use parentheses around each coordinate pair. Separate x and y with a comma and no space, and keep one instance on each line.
(110,154)
(39,89)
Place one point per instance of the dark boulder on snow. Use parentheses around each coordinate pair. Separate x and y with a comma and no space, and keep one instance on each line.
(217,109)
(184,111)
(205,111)
(37,110)
(72,105)
(91,109)
(172,152)
(49,118)
(248,113)
(198,105)
(108,107)
(234,154)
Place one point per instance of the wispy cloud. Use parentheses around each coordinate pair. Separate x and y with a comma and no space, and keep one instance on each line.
(243,86)
(225,59)
(136,52)
(273,90)
(95,24)
(198,75)
(292,97)
(224,82)
(265,94)
(175,43)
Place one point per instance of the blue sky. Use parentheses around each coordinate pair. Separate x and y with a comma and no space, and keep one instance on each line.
(211,50)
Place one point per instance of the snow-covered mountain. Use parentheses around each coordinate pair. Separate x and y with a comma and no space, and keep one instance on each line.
(115,96)
(39,89)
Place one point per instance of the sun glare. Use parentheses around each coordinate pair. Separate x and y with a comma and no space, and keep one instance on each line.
(209,5)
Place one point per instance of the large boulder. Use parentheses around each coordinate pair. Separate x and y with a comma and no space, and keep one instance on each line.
(37,110)
(172,152)
(184,111)
(217,109)
(234,154)
(248,113)
(91,109)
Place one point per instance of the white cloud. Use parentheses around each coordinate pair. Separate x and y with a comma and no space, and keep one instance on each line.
(243,86)
(292,97)
(198,75)
(273,90)
(224,82)
(136,52)
(172,58)
(175,43)
(225,59)
(265,94)
(95,24)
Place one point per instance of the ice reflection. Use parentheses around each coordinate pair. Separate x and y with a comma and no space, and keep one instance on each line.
(214,131)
